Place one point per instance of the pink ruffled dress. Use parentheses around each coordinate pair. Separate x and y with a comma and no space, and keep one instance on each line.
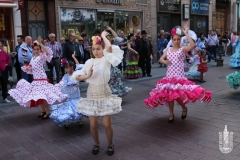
(33,94)
(175,85)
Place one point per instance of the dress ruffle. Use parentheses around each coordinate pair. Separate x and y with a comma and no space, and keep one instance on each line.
(171,89)
(117,86)
(193,72)
(26,92)
(233,80)
(132,70)
(202,67)
(235,60)
(65,113)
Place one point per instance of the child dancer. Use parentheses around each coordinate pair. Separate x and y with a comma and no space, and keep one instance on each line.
(66,113)
(39,92)
(175,86)
(202,67)
(195,60)
(100,101)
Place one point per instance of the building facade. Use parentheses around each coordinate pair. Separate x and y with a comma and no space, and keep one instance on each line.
(201,15)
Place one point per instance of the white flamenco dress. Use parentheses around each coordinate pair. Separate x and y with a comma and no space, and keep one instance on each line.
(100,101)
(33,94)
(193,70)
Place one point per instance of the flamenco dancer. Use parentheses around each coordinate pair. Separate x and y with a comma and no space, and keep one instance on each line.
(117,86)
(202,67)
(235,58)
(132,70)
(66,113)
(233,80)
(40,91)
(100,101)
(195,60)
(175,86)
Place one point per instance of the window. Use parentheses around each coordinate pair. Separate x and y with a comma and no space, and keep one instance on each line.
(77,21)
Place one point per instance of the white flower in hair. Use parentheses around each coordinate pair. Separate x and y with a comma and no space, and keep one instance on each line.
(178,31)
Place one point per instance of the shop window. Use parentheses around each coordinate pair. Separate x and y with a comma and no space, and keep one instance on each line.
(128,22)
(105,19)
(77,21)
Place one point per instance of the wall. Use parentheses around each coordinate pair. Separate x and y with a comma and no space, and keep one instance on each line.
(17,28)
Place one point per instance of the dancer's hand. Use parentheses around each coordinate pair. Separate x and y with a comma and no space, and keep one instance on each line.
(90,72)
(136,52)
(39,40)
(108,28)
(104,34)
(185,29)
(168,63)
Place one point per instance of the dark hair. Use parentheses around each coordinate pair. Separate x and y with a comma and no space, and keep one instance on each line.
(69,64)
(20,36)
(83,35)
(200,34)
(97,31)
(202,39)
(202,53)
(130,35)
(4,42)
(36,45)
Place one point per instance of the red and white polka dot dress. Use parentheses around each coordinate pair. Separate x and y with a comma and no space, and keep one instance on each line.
(175,85)
(32,94)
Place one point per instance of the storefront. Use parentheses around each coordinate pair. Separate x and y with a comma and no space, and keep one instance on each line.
(169,14)
(6,22)
(78,17)
(199,16)
(222,16)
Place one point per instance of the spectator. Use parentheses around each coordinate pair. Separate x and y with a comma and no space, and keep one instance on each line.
(15,54)
(5,61)
(123,46)
(145,50)
(25,54)
(137,35)
(87,46)
(233,38)
(70,47)
(81,49)
(57,54)
(62,41)
(213,42)
(225,42)
(161,45)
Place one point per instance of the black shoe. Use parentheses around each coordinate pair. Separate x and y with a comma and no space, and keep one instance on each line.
(110,150)
(183,117)
(201,81)
(42,114)
(46,116)
(95,150)
(170,121)
(204,81)
(149,75)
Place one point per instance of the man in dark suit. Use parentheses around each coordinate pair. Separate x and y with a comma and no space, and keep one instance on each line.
(70,47)
(84,54)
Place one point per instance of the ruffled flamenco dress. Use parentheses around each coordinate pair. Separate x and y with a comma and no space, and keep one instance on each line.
(235,58)
(175,85)
(66,113)
(132,69)
(100,101)
(117,86)
(202,67)
(233,80)
(33,94)
(193,69)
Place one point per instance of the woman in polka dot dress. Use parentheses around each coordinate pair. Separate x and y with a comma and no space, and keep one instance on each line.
(175,86)
(39,92)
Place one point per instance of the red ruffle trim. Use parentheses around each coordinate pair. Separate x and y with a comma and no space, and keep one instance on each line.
(182,90)
(36,103)
(202,67)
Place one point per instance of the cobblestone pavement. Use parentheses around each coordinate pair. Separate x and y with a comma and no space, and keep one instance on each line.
(139,133)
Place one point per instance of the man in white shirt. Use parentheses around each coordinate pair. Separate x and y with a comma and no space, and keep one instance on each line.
(213,42)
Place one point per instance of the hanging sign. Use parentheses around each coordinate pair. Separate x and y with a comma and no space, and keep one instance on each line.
(200,7)
(110,1)
(173,6)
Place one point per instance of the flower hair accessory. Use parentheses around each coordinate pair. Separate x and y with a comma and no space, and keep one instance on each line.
(63,62)
(176,31)
(96,40)
(36,42)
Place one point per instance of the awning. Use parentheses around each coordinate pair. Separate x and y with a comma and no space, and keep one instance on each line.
(7,3)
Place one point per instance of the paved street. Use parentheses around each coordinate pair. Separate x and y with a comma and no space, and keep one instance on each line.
(139,133)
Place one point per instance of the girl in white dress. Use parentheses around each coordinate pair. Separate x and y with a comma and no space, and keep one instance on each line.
(100,101)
